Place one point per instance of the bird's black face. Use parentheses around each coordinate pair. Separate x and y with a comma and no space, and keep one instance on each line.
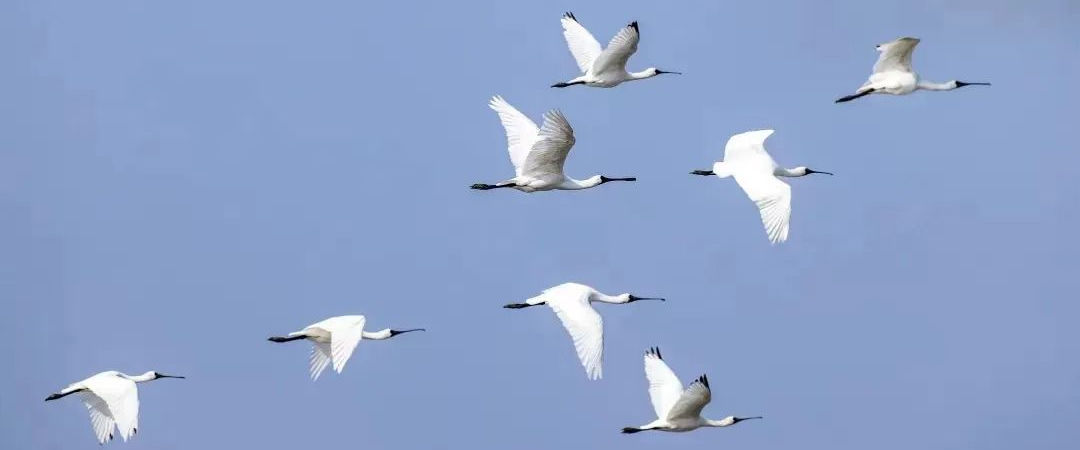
(702,172)
(634,298)
(740,419)
(960,84)
(661,72)
(397,332)
(604,179)
(810,171)
(161,375)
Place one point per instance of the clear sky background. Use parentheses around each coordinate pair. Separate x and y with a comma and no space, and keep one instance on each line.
(180,180)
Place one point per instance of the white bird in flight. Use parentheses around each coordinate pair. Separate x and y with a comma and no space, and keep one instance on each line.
(334,340)
(756,173)
(538,154)
(603,67)
(572,303)
(113,401)
(676,409)
(893,74)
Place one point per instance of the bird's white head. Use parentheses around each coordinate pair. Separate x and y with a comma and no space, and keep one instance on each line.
(630,298)
(388,333)
(956,84)
(397,332)
(803,171)
(597,180)
(731,420)
(652,72)
(152,375)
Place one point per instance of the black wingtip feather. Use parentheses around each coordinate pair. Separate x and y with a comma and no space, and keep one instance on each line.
(570,15)
(634,26)
(703,379)
(655,351)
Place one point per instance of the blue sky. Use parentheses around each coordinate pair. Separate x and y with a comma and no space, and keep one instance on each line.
(180,180)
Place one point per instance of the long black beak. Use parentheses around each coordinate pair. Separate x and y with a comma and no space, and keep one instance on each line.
(961,84)
(161,375)
(397,332)
(702,172)
(740,419)
(810,171)
(660,72)
(604,179)
(634,298)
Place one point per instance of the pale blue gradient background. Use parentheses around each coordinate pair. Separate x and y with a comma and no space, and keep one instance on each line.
(180,180)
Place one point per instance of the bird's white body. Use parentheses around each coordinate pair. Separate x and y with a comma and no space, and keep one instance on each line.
(112,398)
(334,340)
(539,153)
(757,174)
(677,410)
(603,67)
(893,74)
(572,303)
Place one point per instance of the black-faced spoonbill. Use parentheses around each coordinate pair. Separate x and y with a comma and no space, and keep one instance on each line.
(538,154)
(604,68)
(676,409)
(756,173)
(113,401)
(893,74)
(334,340)
(572,302)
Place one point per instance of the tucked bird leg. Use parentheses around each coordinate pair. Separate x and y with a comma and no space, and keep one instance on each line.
(286,338)
(488,187)
(522,305)
(854,96)
(61,394)
(632,430)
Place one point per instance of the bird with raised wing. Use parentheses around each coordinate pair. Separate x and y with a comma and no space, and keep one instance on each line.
(538,154)
(677,410)
(603,67)
(572,303)
(893,74)
(113,401)
(334,339)
(756,173)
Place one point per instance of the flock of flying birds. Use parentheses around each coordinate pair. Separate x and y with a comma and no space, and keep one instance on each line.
(538,155)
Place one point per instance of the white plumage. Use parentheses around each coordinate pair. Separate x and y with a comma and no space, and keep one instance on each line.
(538,154)
(603,67)
(893,74)
(112,399)
(334,340)
(677,409)
(572,304)
(756,173)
